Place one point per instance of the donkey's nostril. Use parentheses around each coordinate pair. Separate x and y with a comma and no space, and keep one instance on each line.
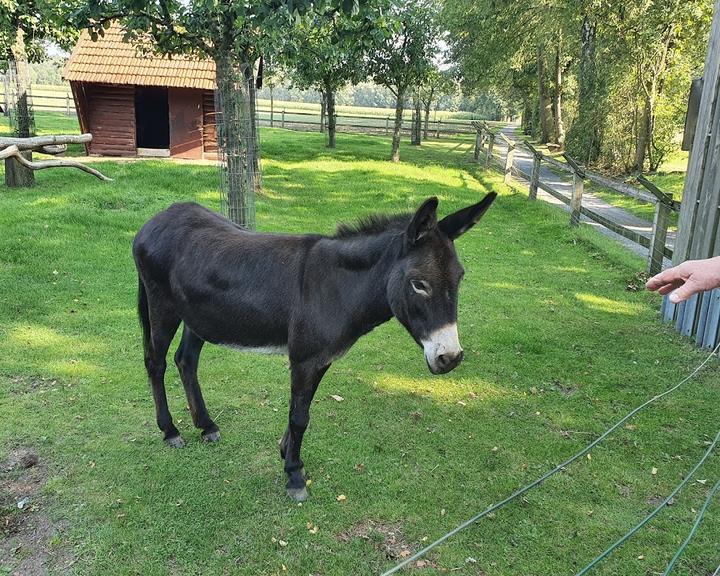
(449,361)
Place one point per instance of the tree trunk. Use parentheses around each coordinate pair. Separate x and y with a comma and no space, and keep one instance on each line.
(17,175)
(235,140)
(643,135)
(323,108)
(585,138)
(331,119)
(397,128)
(428,105)
(526,121)
(416,121)
(544,102)
(557,96)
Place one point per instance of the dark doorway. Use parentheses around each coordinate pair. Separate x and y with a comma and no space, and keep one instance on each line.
(151,118)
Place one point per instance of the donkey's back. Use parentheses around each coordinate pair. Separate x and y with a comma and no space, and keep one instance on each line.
(229,285)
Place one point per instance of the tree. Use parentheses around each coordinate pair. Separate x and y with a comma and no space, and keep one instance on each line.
(438,83)
(502,45)
(325,52)
(403,57)
(233,34)
(25,27)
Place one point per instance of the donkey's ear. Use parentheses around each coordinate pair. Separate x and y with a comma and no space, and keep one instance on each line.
(424,220)
(461,221)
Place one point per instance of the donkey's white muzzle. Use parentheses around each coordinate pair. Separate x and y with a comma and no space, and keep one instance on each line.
(442,349)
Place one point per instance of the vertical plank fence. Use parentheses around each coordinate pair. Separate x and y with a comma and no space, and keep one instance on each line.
(699,226)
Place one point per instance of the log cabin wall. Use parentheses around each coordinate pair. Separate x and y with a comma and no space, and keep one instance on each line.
(110,118)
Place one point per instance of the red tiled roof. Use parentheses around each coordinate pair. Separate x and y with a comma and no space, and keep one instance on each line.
(110,60)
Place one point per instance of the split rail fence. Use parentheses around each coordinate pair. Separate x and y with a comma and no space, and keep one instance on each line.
(656,244)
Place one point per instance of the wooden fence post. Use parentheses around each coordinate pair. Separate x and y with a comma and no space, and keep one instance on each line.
(578,188)
(491,145)
(535,176)
(478,145)
(661,220)
(576,200)
(387,125)
(659,237)
(437,128)
(67,105)
(509,162)
(282,121)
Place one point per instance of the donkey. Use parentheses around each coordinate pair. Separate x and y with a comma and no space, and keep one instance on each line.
(308,296)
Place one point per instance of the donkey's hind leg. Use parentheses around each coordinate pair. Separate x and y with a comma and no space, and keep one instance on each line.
(160,322)
(186,359)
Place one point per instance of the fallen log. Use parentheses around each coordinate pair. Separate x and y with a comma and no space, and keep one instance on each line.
(39,142)
(14,152)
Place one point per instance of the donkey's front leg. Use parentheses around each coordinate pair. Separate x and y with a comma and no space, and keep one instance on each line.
(305,378)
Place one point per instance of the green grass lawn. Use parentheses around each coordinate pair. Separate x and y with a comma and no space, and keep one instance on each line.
(556,350)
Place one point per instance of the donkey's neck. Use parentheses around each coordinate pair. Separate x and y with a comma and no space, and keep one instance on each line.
(367,262)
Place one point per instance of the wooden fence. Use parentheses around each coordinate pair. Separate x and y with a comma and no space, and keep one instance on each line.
(283,117)
(699,226)
(485,140)
(369,124)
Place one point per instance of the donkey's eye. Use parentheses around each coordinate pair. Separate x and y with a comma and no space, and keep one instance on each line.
(421,287)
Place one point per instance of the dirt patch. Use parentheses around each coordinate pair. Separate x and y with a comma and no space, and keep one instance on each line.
(387,537)
(28,546)
(28,384)
(637,282)
(655,501)
(565,390)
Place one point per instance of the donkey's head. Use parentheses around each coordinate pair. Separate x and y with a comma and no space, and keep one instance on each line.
(423,286)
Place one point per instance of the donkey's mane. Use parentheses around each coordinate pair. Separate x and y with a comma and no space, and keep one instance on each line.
(372,225)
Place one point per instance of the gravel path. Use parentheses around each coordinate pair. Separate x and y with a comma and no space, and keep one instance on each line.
(563,184)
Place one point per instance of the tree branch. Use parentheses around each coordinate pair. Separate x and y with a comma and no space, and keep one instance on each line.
(14,152)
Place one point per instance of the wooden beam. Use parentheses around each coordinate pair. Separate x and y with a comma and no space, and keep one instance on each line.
(655,191)
(580,170)
(39,142)
(15,153)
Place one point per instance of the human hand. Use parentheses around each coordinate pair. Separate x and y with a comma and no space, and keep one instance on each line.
(687,279)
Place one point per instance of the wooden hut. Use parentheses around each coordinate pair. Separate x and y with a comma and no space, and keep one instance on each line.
(142,105)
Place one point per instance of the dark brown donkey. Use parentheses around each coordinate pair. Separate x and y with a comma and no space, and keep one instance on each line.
(308,296)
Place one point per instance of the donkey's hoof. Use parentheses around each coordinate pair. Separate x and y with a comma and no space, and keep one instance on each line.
(298,494)
(213,436)
(175,442)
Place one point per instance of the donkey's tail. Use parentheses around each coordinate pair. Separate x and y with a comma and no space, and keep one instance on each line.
(144,314)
